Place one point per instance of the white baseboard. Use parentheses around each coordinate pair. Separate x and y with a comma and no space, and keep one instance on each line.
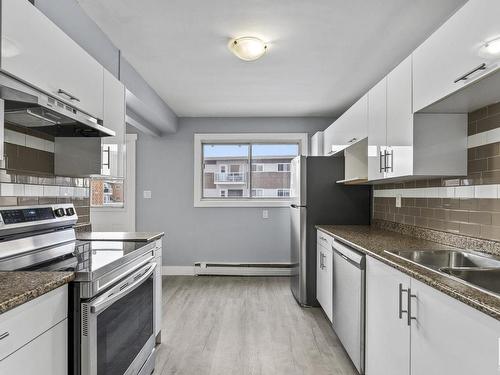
(177,270)
(242,271)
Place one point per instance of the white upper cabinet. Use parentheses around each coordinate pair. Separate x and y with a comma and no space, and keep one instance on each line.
(450,58)
(399,121)
(403,144)
(36,51)
(317,144)
(348,129)
(114,118)
(377,129)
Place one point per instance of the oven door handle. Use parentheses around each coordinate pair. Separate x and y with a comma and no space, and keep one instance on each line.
(141,275)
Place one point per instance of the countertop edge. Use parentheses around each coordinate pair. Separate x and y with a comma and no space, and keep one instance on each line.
(33,293)
(419,276)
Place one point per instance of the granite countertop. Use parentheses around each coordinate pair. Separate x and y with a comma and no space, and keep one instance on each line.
(19,287)
(119,236)
(373,241)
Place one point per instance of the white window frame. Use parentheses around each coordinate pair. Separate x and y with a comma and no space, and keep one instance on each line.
(260,165)
(274,138)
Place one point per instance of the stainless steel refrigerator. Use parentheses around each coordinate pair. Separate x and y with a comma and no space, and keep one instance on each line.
(318,199)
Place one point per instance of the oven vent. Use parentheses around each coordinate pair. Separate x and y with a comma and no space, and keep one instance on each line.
(85,319)
(242,269)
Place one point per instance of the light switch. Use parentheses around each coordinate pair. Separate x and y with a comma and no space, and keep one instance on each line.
(398,200)
(265,214)
(147,194)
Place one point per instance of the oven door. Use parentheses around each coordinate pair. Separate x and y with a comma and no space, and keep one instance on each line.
(117,334)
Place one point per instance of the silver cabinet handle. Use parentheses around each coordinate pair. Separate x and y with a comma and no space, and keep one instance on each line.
(321,260)
(410,296)
(4,335)
(401,291)
(381,169)
(389,155)
(322,238)
(69,95)
(466,75)
(352,140)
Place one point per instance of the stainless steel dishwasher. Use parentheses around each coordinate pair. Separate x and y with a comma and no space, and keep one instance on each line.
(349,301)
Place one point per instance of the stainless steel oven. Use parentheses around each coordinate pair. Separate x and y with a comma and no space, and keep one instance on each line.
(112,298)
(117,327)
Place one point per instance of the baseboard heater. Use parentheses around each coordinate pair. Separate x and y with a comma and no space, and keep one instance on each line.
(242,269)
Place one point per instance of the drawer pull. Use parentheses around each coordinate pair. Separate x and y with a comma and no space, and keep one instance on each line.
(466,75)
(4,335)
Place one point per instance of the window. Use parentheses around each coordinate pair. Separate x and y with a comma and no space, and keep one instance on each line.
(283,192)
(245,169)
(257,167)
(257,192)
(106,192)
(284,167)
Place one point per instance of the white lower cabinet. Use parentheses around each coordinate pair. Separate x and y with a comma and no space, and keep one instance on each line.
(324,279)
(449,337)
(34,336)
(387,335)
(442,336)
(45,355)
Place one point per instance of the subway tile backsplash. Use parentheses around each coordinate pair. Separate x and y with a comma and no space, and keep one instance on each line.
(27,177)
(467,205)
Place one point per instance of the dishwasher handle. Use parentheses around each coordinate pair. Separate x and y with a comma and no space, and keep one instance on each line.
(350,255)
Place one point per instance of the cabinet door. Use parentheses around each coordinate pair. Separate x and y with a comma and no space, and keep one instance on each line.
(320,290)
(45,355)
(45,57)
(328,135)
(387,335)
(449,337)
(317,144)
(453,51)
(114,160)
(328,283)
(399,121)
(377,122)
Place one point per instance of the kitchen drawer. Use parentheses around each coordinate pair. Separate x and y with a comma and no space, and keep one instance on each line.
(25,322)
(324,240)
(45,355)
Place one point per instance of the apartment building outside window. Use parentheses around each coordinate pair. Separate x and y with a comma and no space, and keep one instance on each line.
(245,171)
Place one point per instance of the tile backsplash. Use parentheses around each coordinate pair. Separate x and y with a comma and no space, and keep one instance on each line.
(27,174)
(468,205)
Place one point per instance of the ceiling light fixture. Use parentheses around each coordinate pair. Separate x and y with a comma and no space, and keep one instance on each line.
(247,48)
(491,48)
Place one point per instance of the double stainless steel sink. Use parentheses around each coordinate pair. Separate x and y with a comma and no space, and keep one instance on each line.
(471,267)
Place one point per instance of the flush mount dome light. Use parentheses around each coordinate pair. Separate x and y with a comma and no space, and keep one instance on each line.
(491,48)
(247,48)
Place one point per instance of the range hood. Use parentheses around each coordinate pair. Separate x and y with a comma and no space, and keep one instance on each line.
(28,107)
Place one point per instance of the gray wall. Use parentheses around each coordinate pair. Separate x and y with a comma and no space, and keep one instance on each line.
(165,166)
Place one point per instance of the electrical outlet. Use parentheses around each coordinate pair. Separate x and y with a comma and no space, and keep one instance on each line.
(265,214)
(398,200)
(146,194)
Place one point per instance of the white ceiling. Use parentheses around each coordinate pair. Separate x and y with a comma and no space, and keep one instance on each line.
(323,54)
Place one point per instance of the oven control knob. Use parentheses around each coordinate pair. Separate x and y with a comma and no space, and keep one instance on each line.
(59,212)
(70,211)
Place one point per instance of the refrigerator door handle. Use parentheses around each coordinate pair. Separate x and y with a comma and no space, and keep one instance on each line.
(296,206)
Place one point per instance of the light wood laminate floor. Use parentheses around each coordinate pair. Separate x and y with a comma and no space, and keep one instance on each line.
(244,325)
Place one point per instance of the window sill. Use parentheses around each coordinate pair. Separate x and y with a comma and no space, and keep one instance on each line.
(242,203)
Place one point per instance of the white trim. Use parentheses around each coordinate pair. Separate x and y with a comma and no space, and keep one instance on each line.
(243,271)
(478,191)
(484,138)
(199,138)
(177,270)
